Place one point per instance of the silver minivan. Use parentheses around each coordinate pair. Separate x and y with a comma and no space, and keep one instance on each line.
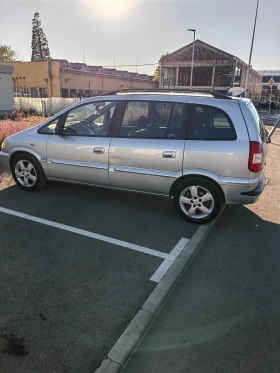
(200,149)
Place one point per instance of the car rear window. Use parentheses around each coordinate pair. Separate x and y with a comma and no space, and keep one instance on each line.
(208,123)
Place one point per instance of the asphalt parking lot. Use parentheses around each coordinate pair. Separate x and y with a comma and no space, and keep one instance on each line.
(223,314)
(77,263)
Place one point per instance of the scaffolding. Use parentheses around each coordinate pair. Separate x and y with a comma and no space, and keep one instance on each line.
(214,69)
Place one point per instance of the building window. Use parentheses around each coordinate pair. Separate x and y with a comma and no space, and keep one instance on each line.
(64,92)
(16,92)
(237,77)
(223,76)
(87,92)
(34,92)
(169,74)
(81,92)
(73,93)
(43,92)
(25,92)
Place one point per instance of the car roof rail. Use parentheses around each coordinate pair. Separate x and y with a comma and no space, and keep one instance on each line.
(215,94)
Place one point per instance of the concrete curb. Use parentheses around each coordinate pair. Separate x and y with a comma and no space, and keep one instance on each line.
(123,349)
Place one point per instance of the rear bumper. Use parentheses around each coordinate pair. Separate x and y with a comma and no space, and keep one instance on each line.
(244,194)
(5,161)
(256,192)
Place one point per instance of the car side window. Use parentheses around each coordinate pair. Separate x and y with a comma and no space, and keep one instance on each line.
(209,123)
(89,120)
(219,119)
(151,119)
(175,130)
(49,129)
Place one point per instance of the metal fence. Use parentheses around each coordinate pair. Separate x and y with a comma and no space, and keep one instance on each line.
(44,106)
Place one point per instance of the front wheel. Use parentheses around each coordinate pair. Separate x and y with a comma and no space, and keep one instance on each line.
(27,172)
(197,200)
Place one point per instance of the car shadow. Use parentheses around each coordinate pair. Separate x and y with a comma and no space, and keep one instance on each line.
(240,287)
(224,312)
(147,220)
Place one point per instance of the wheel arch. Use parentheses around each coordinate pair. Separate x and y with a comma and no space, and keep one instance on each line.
(21,150)
(178,181)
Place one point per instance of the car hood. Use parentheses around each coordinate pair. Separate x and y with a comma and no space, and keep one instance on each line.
(20,134)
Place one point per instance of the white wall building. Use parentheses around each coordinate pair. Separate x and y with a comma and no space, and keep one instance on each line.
(6,90)
(266,89)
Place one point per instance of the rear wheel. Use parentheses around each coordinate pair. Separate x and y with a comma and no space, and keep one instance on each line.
(27,172)
(197,200)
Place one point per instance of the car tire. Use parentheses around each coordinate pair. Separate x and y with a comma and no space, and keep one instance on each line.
(202,197)
(27,172)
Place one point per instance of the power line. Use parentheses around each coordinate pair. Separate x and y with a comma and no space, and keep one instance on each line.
(144,64)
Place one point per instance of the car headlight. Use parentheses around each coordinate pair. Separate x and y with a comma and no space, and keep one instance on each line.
(4,144)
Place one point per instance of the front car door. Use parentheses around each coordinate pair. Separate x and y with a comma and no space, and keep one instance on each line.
(79,150)
(147,154)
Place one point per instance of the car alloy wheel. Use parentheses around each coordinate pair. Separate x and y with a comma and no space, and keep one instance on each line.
(196,202)
(25,173)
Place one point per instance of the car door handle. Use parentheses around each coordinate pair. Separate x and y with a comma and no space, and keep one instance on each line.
(99,150)
(169,154)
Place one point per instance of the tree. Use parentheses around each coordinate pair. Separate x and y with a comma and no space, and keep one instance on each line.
(7,54)
(40,48)
(157,72)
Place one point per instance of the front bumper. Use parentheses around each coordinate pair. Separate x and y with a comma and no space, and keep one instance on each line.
(5,161)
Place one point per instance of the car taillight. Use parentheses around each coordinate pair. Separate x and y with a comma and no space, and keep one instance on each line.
(256,157)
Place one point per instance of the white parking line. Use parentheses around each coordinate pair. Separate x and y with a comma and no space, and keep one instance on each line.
(82,232)
(169,259)
(164,267)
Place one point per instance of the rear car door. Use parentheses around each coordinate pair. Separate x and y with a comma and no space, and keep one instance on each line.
(217,140)
(79,149)
(147,153)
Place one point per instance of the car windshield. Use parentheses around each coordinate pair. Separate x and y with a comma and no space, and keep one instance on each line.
(89,112)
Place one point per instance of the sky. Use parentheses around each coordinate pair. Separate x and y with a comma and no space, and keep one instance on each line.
(139,31)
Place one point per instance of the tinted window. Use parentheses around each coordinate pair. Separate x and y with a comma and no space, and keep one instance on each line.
(163,111)
(49,128)
(134,110)
(208,123)
(219,119)
(89,120)
(149,119)
(175,129)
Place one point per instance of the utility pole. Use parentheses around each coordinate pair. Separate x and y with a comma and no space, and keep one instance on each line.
(251,51)
(192,30)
